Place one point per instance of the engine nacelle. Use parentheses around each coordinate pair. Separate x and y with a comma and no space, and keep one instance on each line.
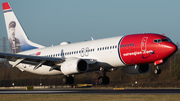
(136,69)
(74,66)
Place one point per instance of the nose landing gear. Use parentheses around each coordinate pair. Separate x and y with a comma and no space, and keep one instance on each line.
(157,70)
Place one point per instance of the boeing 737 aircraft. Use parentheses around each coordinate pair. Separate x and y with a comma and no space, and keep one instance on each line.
(132,53)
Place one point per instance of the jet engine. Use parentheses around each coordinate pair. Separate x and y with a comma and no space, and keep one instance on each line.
(74,66)
(136,69)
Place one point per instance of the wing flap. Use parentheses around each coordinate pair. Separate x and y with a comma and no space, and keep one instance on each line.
(18,61)
(39,64)
(33,60)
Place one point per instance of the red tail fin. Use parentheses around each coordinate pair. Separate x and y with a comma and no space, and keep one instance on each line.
(6,6)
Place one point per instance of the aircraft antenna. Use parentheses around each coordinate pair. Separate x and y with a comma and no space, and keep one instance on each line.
(92,38)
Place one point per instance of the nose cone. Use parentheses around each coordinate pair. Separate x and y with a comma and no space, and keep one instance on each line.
(171,48)
(174,48)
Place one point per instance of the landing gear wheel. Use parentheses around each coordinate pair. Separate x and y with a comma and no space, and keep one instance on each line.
(106,80)
(68,80)
(65,80)
(157,71)
(100,80)
(103,80)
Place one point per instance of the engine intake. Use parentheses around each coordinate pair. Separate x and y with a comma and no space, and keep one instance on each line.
(74,66)
(136,69)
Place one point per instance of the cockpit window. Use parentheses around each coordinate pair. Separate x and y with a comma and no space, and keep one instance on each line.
(164,40)
(161,40)
(169,40)
(157,40)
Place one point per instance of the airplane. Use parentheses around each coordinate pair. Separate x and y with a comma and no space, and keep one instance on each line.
(132,53)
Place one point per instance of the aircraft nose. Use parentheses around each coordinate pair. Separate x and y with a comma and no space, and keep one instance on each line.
(171,48)
(174,47)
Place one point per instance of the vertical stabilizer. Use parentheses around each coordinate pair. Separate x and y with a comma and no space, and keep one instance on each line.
(18,40)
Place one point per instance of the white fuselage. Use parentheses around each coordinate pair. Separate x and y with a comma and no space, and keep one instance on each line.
(102,50)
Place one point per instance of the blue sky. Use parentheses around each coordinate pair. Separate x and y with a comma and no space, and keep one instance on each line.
(50,22)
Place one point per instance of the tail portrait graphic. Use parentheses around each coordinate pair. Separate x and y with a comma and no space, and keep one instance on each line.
(14,42)
(18,39)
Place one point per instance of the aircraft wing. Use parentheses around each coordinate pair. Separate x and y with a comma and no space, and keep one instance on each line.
(37,60)
(33,60)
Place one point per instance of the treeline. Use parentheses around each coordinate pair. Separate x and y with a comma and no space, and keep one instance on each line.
(169,77)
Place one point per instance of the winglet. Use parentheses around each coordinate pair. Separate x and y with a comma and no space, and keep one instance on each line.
(6,6)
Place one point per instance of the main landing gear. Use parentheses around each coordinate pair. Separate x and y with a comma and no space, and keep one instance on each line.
(103,79)
(68,80)
(157,70)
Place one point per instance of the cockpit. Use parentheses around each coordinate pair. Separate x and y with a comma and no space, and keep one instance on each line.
(162,40)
